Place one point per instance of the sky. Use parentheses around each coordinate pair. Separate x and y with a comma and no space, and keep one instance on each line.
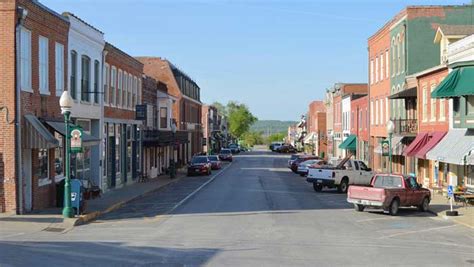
(274,56)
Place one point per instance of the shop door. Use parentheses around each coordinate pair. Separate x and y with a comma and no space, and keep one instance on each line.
(111,161)
(26,168)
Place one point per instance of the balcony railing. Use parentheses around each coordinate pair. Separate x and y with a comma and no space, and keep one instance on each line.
(406,126)
(164,138)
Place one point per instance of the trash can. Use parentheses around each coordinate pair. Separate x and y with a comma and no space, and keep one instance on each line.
(76,195)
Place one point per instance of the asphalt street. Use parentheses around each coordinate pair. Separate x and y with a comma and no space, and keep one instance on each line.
(254,212)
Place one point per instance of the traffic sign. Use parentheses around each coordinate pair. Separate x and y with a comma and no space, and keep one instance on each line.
(450,190)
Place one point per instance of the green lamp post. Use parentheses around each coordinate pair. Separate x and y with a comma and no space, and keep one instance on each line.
(390,130)
(173,142)
(66,102)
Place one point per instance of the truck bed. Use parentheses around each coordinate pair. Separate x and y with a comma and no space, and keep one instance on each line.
(366,194)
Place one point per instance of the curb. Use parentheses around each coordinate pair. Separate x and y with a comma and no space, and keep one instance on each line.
(89,217)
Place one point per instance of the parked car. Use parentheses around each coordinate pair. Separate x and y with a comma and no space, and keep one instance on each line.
(348,172)
(234,148)
(225,155)
(275,145)
(293,158)
(296,162)
(199,165)
(286,149)
(215,162)
(390,192)
(304,167)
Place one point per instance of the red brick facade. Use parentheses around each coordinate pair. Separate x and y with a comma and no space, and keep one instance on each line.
(40,21)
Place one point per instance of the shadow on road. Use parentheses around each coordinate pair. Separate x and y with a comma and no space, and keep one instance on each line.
(99,254)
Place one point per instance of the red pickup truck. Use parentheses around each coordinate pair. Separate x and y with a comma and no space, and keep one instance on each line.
(389,192)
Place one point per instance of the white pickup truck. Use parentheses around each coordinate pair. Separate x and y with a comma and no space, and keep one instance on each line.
(346,173)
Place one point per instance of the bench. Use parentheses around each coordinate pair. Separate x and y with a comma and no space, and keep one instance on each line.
(467,197)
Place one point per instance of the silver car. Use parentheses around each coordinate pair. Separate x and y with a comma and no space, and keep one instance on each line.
(303,167)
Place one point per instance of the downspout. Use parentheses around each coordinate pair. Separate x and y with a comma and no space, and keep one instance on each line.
(368,118)
(21,15)
(103,148)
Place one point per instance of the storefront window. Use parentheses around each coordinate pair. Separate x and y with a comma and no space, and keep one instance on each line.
(470,176)
(104,150)
(117,149)
(81,164)
(59,158)
(129,151)
(42,170)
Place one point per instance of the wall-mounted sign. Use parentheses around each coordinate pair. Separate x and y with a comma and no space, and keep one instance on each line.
(385,148)
(76,140)
(140,112)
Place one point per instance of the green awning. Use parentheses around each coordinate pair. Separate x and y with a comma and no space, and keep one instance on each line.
(459,82)
(350,143)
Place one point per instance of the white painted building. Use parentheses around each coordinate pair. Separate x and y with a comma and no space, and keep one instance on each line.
(86,46)
(346,119)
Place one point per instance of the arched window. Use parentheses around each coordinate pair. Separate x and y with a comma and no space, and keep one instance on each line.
(73,78)
(398,54)
(393,51)
(402,37)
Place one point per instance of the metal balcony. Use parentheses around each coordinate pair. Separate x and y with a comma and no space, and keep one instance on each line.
(406,126)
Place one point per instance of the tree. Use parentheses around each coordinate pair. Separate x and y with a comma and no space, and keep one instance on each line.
(240,119)
(278,137)
(252,138)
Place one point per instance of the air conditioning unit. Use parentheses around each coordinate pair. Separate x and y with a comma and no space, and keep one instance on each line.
(444,58)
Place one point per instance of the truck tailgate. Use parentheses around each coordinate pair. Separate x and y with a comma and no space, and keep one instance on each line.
(320,173)
(366,193)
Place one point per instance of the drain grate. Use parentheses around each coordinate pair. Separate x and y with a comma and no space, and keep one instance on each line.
(54,229)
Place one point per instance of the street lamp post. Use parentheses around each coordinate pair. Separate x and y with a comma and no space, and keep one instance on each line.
(65,102)
(390,130)
(173,141)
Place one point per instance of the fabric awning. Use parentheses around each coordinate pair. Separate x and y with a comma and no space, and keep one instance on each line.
(60,127)
(36,135)
(350,143)
(408,93)
(459,82)
(433,140)
(420,140)
(397,146)
(454,148)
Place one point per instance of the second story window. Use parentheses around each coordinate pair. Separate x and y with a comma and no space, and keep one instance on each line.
(433,104)
(163,117)
(25,59)
(424,103)
(73,81)
(43,65)
(113,83)
(119,88)
(85,78)
(96,81)
(59,68)
(106,83)
(372,71)
(129,91)
(124,89)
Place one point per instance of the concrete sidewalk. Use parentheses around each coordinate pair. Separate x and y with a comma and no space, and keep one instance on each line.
(51,220)
(440,204)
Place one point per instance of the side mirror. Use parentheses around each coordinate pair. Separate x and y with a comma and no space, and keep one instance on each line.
(369,169)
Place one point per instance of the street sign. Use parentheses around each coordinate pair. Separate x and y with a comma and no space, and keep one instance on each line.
(385,148)
(450,191)
(76,140)
(140,112)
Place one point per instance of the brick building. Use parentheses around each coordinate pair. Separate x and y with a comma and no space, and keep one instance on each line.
(122,92)
(186,108)
(28,174)
(157,136)
(316,122)
(360,125)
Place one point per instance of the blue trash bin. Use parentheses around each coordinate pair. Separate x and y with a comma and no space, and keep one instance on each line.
(76,194)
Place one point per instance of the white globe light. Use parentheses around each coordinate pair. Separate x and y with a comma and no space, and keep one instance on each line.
(390,127)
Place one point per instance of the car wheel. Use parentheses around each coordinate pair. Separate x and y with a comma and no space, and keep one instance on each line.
(394,206)
(302,174)
(317,187)
(343,186)
(424,205)
(359,207)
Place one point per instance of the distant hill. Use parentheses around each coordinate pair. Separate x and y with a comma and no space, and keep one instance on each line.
(268,127)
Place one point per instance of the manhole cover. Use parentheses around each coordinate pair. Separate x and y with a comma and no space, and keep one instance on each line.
(53,229)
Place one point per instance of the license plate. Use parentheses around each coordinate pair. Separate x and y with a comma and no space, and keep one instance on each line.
(319,181)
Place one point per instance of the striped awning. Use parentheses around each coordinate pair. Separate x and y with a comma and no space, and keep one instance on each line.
(35,135)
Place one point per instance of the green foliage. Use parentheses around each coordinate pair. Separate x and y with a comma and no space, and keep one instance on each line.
(252,138)
(268,127)
(278,137)
(238,115)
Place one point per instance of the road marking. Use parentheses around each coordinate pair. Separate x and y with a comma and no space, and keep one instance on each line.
(420,231)
(198,189)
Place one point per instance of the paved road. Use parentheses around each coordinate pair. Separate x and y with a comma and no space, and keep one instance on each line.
(254,213)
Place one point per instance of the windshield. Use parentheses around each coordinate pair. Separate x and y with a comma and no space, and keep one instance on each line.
(225,151)
(197,160)
(213,158)
(293,157)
